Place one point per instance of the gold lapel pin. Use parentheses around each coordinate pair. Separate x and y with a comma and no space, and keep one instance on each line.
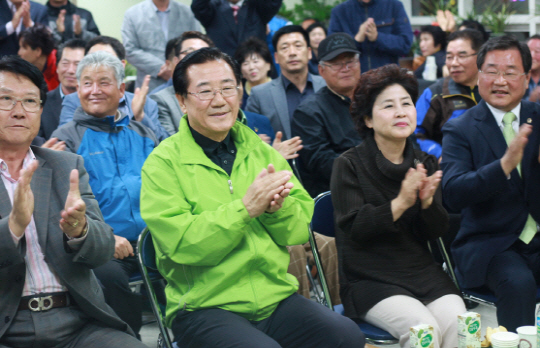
(529,120)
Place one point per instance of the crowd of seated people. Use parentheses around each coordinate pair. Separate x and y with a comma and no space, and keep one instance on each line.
(219,150)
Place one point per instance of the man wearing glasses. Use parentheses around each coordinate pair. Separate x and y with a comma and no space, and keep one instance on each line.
(491,174)
(323,120)
(52,233)
(222,206)
(449,97)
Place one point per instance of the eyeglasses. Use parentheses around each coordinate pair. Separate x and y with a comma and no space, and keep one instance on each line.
(227,91)
(460,58)
(338,66)
(29,104)
(508,76)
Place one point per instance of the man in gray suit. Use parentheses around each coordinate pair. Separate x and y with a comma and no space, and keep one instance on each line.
(51,233)
(278,99)
(145,41)
(168,108)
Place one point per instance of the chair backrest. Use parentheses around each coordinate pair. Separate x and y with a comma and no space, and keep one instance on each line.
(323,215)
(147,251)
(150,274)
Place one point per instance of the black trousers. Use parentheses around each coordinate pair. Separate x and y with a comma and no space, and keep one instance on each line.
(114,277)
(513,276)
(297,322)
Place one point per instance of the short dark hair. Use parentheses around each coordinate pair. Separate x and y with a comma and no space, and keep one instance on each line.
(476,25)
(371,84)
(439,36)
(504,43)
(204,55)
(474,36)
(18,66)
(534,37)
(107,40)
(288,29)
(174,46)
(254,45)
(38,36)
(73,44)
(316,25)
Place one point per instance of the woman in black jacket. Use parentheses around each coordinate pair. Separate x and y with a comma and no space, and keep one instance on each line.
(387,205)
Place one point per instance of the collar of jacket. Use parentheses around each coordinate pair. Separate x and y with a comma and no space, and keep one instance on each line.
(190,153)
(453,88)
(105,124)
(55,11)
(364,4)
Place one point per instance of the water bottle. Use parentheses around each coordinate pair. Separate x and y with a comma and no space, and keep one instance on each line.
(430,69)
(538,327)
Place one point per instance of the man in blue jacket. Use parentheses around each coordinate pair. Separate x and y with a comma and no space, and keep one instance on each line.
(136,105)
(381,29)
(114,148)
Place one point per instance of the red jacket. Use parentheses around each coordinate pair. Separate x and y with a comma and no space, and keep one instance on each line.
(50,72)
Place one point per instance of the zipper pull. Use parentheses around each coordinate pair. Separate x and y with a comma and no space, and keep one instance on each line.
(230,186)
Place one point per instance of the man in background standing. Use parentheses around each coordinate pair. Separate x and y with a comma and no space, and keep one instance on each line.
(68,21)
(145,41)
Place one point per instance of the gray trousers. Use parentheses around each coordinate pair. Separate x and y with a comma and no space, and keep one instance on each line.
(66,327)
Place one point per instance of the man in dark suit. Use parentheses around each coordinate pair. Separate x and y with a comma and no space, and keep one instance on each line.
(492,175)
(15,16)
(231,22)
(68,57)
(51,233)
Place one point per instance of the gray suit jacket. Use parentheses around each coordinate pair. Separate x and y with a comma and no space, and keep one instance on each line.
(50,185)
(144,40)
(169,112)
(270,100)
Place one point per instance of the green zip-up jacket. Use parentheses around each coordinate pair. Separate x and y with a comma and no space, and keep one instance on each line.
(212,254)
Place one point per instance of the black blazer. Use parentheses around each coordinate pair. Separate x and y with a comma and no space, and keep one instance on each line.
(9,44)
(50,117)
(494,209)
(217,18)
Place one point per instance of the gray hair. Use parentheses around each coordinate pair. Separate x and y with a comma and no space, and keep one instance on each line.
(102,58)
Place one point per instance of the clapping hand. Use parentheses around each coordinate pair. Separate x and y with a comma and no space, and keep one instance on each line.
(139,99)
(428,187)
(73,216)
(278,198)
(288,148)
(23,201)
(371,30)
(262,194)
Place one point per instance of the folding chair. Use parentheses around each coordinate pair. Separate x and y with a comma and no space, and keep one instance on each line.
(323,223)
(477,295)
(150,275)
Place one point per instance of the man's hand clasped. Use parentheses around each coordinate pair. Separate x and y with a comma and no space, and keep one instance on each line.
(268,191)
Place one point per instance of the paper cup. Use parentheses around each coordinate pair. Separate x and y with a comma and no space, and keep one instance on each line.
(527,336)
(504,340)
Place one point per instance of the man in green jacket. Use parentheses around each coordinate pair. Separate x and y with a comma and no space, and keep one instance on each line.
(222,206)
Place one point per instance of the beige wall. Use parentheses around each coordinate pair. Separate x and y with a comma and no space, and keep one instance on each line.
(109,14)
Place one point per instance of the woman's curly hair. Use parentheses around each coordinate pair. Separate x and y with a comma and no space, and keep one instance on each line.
(371,84)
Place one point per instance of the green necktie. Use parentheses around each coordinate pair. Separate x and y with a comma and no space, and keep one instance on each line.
(508,132)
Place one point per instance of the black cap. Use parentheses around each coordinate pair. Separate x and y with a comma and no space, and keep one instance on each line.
(334,45)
